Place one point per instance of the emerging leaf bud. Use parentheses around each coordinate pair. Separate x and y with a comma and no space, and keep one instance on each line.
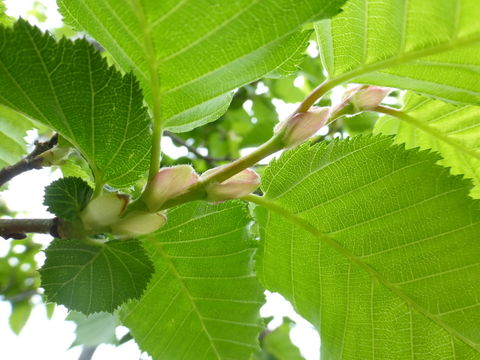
(167,184)
(103,211)
(55,156)
(302,126)
(366,98)
(237,186)
(138,223)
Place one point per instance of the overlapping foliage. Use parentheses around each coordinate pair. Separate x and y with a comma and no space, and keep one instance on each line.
(372,240)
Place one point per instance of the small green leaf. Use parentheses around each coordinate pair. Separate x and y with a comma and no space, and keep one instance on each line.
(20,313)
(94,329)
(66,197)
(203,301)
(453,131)
(93,278)
(429,46)
(68,86)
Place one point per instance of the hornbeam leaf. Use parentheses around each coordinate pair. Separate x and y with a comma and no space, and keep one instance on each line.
(453,131)
(430,46)
(192,53)
(69,87)
(93,278)
(377,246)
(204,299)
(66,197)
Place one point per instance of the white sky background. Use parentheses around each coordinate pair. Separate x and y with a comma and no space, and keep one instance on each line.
(44,339)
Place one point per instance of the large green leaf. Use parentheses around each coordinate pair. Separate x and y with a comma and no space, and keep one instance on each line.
(454,131)
(203,300)
(95,277)
(375,245)
(13,128)
(190,54)
(69,87)
(430,46)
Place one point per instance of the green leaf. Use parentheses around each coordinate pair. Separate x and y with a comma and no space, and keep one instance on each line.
(376,246)
(13,128)
(203,300)
(278,344)
(95,329)
(66,197)
(192,53)
(453,131)
(69,87)
(430,46)
(4,18)
(20,313)
(97,277)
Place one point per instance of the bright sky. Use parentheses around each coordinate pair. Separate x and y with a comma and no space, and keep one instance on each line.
(44,339)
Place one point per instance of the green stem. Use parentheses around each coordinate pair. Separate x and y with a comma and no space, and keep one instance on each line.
(197,191)
(316,94)
(428,129)
(305,225)
(155,89)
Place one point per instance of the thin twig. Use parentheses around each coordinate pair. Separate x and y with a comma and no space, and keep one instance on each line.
(17,228)
(87,352)
(212,161)
(29,162)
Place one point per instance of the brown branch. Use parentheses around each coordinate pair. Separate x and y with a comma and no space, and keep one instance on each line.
(17,228)
(29,162)
(212,161)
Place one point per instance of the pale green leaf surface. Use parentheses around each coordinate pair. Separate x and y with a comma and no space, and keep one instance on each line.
(458,124)
(95,329)
(195,52)
(430,46)
(69,87)
(13,128)
(20,313)
(396,276)
(203,301)
(66,197)
(93,278)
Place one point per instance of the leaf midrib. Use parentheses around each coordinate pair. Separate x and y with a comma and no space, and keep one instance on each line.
(173,269)
(307,226)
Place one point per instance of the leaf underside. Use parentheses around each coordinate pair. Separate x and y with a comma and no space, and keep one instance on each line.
(432,47)
(203,301)
(69,87)
(396,275)
(460,124)
(195,52)
(95,278)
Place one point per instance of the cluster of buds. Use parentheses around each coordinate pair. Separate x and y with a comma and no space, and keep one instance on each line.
(175,181)
(107,212)
(365,98)
(300,127)
(104,213)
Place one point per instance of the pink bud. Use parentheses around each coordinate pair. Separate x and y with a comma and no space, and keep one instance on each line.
(138,223)
(167,184)
(103,211)
(367,98)
(302,126)
(237,186)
